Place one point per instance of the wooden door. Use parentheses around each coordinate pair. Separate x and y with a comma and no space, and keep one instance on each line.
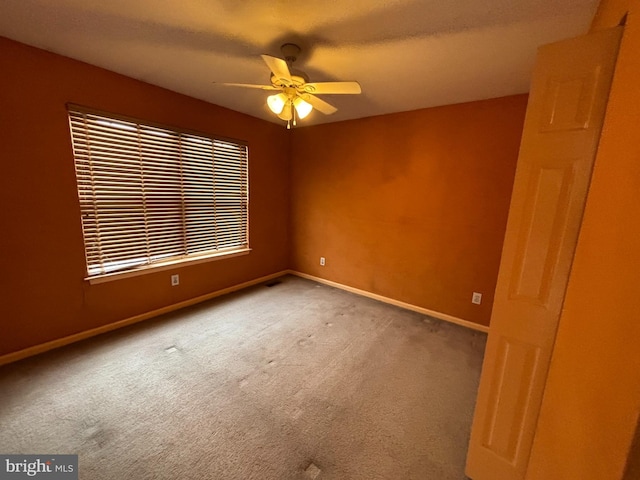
(564,117)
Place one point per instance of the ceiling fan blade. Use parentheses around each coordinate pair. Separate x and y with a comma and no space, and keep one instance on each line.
(279,68)
(248,85)
(319,104)
(332,88)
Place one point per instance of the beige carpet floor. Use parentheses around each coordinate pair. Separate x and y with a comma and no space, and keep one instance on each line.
(293,381)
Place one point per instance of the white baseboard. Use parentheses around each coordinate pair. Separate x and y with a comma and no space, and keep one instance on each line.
(44,347)
(76,337)
(397,303)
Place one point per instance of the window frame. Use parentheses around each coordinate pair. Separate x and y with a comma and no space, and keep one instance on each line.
(146,263)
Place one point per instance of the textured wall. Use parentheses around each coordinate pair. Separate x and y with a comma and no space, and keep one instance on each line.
(591,406)
(44,296)
(411,206)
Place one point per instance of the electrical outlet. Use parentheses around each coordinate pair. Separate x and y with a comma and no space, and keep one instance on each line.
(322,261)
(175,280)
(476,298)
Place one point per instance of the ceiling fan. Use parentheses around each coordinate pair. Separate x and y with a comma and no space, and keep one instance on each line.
(297,95)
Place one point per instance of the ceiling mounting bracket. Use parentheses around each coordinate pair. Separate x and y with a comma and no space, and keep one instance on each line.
(290,52)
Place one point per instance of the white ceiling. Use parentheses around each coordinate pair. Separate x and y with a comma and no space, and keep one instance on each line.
(406,54)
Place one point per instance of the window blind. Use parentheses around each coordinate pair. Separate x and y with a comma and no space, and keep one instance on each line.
(150,194)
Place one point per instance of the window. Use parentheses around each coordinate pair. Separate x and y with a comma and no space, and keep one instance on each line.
(152,195)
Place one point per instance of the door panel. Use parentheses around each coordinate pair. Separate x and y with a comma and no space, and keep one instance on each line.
(544,220)
(566,109)
(568,102)
(516,363)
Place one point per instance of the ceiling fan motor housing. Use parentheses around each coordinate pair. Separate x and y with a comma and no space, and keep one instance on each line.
(298,79)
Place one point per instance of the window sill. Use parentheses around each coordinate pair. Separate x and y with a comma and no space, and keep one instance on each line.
(166,265)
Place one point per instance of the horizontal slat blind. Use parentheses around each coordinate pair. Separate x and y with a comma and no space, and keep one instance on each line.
(150,194)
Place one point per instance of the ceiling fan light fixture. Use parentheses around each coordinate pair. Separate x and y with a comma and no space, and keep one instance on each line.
(302,108)
(287,113)
(277,102)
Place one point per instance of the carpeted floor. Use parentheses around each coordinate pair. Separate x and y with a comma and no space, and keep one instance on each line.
(293,381)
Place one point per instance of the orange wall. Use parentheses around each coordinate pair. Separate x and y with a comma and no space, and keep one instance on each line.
(591,405)
(411,206)
(43,294)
